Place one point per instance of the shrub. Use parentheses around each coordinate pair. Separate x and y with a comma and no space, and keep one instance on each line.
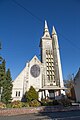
(25,104)
(65,102)
(32,94)
(2,105)
(44,102)
(48,102)
(55,102)
(34,103)
(9,105)
(16,104)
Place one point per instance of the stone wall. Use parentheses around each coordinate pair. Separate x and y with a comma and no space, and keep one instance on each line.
(18,111)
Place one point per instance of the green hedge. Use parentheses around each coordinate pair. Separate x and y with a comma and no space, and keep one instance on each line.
(34,103)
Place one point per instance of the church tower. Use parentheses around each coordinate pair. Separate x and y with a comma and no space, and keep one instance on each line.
(57,62)
(50,57)
(47,57)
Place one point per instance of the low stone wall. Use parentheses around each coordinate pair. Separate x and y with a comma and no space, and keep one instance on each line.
(18,111)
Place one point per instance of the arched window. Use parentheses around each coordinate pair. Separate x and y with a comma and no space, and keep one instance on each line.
(19,93)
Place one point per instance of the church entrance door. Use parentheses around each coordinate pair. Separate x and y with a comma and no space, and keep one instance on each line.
(51,94)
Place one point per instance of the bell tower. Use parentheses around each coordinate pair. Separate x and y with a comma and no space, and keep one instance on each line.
(50,58)
(47,57)
(57,62)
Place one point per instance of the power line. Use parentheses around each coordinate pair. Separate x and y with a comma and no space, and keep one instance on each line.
(33,15)
(68,40)
(39,19)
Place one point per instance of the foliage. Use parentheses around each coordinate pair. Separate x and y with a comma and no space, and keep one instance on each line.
(2,73)
(2,105)
(34,103)
(7,88)
(55,102)
(32,94)
(44,102)
(65,102)
(16,104)
(48,102)
(9,105)
(25,104)
(5,81)
(0,55)
(69,84)
(1,58)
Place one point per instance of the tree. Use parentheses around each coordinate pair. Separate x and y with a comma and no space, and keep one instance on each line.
(7,89)
(0,55)
(32,94)
(2,76)
(2,73)
(69,84)
(9,85)
(2,69)
(5,81)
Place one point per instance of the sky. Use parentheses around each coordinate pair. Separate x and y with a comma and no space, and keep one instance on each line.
(22,25)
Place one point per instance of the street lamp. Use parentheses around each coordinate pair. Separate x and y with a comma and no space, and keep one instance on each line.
(1,89)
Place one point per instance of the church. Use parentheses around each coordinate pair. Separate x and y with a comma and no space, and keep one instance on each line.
(44,75)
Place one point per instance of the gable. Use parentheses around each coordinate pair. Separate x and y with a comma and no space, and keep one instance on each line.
(35,60)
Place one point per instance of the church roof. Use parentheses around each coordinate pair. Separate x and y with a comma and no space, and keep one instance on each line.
(36,59)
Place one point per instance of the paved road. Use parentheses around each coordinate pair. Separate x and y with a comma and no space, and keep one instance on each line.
(70,115)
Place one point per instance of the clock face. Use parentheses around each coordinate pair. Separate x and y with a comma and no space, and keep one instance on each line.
(48,45)
(35,70)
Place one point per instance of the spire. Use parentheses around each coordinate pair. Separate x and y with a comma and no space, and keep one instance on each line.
(53,31)
(46,31)
(46,27)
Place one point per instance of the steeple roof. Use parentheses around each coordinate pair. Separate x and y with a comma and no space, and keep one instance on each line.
(53,31)
(46,31)
(46,27)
